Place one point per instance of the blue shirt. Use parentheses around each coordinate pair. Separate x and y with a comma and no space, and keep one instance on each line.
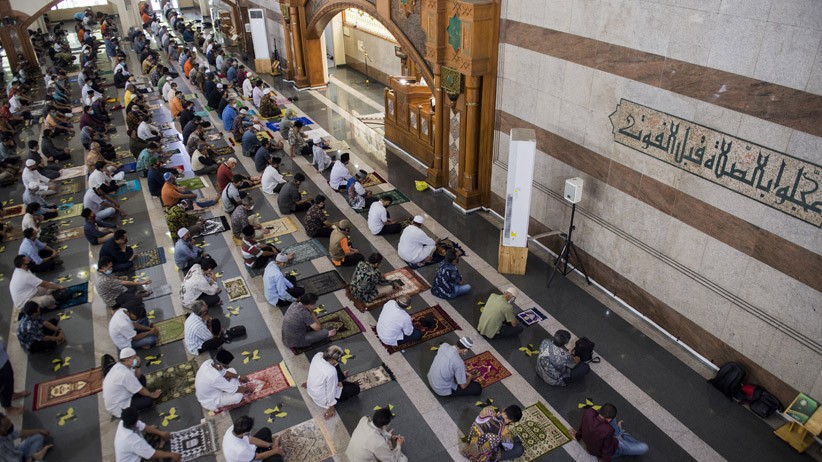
(229,114)
(275,284)
(92,233)
(250,142)
(444,281)
(31,248)
(155,181)
(231,74)
(184,252)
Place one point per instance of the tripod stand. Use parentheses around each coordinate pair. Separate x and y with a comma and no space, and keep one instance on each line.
(565,254)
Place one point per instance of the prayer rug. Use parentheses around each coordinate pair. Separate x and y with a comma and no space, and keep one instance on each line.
(486,368)
(214,225)
(372,377)
(78,295)
(224,151)
(323,283)
(195,442)
(128,187)
(373,179)
(203,114)
(171,330)
(279,227)
(72,172)
(191,184)
(276,125)
(72,210)
(306,251)
(413,284)
(305,442)
(69,234)
(14,211)
(64,389)
(129,168)
(440,324)
(343,320)
(169,139)
(236,288)
(531,316)
(175,381)
(396,198)
(66,189)
(120,155)
(149,258)
(266,382)
(540,432)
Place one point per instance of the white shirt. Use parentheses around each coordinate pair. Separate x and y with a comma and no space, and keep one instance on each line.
(271,178)
(257,94)
(33,176)
(248,88)
(238,449)
(322,383)
(15,106)
(321,159)
(30,222)
(210,386)
(93,201)
(119,386)
(121,329)
(195,160)
(121,66)
(97,178)
(394,323)
(145,131)
(415,246)
(195,284)
(219,61)
(339,175)
(166,88)
(170,95)
(23,286)
(195,333)
(129,445)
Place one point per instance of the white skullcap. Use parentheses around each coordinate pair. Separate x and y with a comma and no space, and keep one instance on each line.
(317,140)
(513,291)
(282,257)
(266,91)
(467,342)
(182,232)
(31,163)
(127,353)
(419,219)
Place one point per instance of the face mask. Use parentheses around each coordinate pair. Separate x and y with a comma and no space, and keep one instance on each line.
(108,272)
(135,363)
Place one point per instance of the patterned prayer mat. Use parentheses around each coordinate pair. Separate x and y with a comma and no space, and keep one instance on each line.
(372,377)
(306,251)
(120,155)
(175,381)
(396,196)
(66,189)
(323,283)
(128,187)
(276,125)
(214,225)
(73,210)
(224,151)
(373,179)
(540,432)
(413,284)
(72,172)
(13,211)
(486,368)
(78,295)
(279,227)
(267,382)
(197,441)
(531,316)
(149,258)
(171,330)
(441,324)
(191,183)
(64,389)
(236,288)
(305,442)
(69,234)
(343,320)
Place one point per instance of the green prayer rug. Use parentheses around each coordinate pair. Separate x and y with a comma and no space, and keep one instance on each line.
(175,381)
(149,258)
(540,431)
(191,184)
(171,330)
(72,210)
(396,198)
(306,251)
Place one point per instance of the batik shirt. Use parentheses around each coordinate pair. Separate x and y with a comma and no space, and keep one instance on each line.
(487,436)
(554,363)
(29,330)
(365,281)
(444,281)
(177,218)
(296,140)
(314,220)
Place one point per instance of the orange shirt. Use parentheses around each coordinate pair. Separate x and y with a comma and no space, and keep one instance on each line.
(187,67)
(169,195)
(146,18)
(81,34)
(103,27)
(176,107)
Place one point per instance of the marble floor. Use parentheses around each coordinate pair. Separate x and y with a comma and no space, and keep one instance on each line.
(660,393)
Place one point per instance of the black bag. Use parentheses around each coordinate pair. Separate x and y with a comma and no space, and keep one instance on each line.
(584,348)
(764,404)
(729,379)
(107,363)
(235,332)
(61,296)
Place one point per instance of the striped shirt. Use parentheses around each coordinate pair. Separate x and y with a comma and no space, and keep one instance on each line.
(250,250)
(196,332)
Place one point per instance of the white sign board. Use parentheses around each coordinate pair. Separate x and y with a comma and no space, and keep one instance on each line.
(521,152)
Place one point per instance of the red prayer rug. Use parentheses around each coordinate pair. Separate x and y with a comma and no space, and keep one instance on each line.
(441,324)
(68,388)
(486,368)
(413,285)
(268,381)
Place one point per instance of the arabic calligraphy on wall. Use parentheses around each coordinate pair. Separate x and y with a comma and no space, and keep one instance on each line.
(775,179)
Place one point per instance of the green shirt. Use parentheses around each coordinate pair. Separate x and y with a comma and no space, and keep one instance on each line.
(496,311)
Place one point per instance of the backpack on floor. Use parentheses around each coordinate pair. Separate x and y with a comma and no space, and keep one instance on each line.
(764,404)
(729,379)
(107,363)
(584,348)
(235,332)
